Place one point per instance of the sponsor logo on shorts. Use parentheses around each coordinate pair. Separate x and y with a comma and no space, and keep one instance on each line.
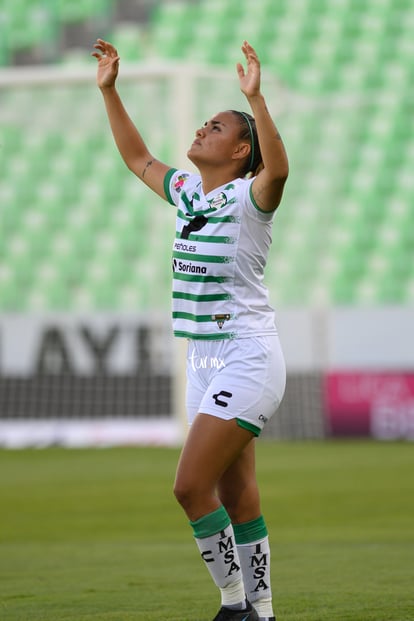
(222,393)
(206,362)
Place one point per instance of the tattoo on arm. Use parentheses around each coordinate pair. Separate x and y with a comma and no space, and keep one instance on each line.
(147,165)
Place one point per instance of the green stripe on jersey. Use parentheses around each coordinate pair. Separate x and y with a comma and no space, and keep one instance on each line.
(211,297)
(214,219)
(198,278)
(205,258)
(257,206)
(187,203)
(191,317)
(190,208)
(167,180)
(210,239)
(218,336)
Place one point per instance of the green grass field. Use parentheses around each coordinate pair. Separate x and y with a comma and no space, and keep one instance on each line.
(89,535)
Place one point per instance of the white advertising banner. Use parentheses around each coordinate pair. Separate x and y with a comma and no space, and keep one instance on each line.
(120,344)
(84,344)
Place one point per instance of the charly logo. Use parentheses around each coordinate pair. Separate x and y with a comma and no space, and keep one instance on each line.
(220,319)
(223,393)
(218,201)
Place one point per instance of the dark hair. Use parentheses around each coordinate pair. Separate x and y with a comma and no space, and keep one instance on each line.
(249,132)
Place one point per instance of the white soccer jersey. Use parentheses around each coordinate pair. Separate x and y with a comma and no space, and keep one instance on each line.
(219,255)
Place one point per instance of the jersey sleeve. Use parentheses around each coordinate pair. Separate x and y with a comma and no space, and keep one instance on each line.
(252,207)
(174,182)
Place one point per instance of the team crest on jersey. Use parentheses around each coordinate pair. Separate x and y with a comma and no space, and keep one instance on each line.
(218,201)
(179,182)
(220,319)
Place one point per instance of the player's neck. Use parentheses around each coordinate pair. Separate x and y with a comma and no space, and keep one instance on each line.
(215,178)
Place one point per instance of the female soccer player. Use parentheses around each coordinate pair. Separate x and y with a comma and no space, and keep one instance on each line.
(235,367)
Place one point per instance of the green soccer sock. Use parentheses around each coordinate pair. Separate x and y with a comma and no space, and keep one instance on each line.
(254,553)
(215,539)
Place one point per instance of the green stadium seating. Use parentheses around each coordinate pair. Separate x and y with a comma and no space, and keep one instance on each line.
(130,41)
(37,24)
(76,228)
(82,10)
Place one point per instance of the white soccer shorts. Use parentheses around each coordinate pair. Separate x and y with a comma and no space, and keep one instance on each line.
(242,378)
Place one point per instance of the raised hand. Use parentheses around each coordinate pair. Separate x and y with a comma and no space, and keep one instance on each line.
(108,63)
(249,80)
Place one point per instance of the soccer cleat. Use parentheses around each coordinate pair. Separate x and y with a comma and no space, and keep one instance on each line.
(227,614)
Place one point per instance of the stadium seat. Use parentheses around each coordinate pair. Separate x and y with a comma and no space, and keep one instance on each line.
(130,41)
(344,233)
(36,25)
(82,9)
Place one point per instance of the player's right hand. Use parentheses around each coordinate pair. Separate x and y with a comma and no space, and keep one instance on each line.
(108,63)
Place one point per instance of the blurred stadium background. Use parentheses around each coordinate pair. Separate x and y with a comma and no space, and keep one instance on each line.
(86,354)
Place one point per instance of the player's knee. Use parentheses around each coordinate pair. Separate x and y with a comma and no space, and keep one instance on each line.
(191,496)
(183,492)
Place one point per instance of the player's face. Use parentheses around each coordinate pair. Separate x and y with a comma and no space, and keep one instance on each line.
(216,140)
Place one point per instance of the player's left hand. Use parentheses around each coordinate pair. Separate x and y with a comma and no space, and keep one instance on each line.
(249,80)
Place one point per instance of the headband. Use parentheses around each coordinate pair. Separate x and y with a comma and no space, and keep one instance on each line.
(249,125)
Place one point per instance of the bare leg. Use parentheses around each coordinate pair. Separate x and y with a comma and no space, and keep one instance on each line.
(239,493)
(238,490)
(212,447)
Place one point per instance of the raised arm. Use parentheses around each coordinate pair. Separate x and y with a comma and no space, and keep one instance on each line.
(268,186)
(127,138)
